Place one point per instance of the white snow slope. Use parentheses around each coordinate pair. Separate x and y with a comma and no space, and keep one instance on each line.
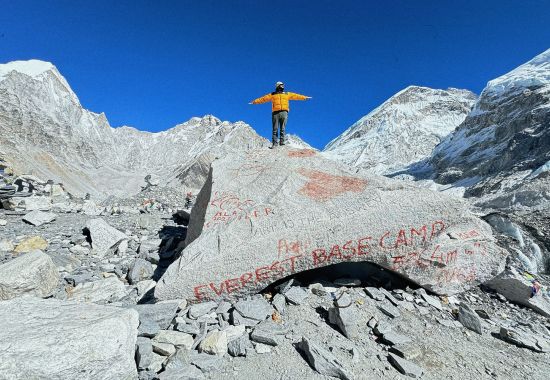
(402,130)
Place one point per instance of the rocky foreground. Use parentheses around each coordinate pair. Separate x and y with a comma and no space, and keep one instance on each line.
(77,279)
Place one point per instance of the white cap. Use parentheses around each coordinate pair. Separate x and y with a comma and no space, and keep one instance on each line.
(279,84)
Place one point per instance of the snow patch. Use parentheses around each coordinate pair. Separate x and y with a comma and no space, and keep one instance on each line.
(534,73)
(32,68)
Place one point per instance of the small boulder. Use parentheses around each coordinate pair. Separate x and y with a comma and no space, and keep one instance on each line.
(323,361)
(33,273)
(104,238)
(215,343)
(406,367)
(139,271)
(469,318)
(38,218)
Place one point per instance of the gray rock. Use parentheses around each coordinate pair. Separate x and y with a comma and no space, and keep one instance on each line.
(32,273)
(164,349)
(238,319)
(207,363)
(162,313)
(296,295)
(279,302)
(107,290)
(256,308)
(144,353)
(178,361)
(185,372)
(146,375)
(91,208)
(105,238)
(223,307)
(38,218)
(374,293)
(239,346)
(149,250)
(262,348)
(382,328)
(469,318)
(188,328)
(139,271)
(234,332)
(392,338)
(517,288)
(394,301)
(285,286)
(66,340)
(262,336)
(340,202)
(323,361)
(405,367)
(215,343)
(157,362)
(345,315)
(200,309)
(148,328)
(176,338)
(318,289)
(432,301)
(526,340)
(390,310)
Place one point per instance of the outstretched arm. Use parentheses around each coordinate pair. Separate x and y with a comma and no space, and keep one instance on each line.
(294,96)
(263,99)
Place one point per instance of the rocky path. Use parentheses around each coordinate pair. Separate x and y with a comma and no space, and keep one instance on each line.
(321,328)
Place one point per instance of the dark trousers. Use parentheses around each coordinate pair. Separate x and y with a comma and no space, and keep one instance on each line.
(279,122)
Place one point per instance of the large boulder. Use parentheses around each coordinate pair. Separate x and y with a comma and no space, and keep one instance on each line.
(32,273)
(266,214)
(53,339)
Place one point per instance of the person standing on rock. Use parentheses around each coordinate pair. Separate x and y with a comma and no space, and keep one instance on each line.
(279,109)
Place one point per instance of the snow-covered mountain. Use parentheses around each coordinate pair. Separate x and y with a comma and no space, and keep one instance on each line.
(45,131)
(403,130)
(506,137)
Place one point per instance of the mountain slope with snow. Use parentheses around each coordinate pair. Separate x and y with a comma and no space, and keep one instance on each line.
(45,131)
(506,136)
(402,130)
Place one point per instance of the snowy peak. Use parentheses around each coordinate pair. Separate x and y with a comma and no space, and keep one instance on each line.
(402,130)
(33,68)
(533,73)
(56,138)
(505,135)
(296,141)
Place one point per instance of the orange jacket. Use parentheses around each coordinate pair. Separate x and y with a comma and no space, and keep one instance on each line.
(279,100)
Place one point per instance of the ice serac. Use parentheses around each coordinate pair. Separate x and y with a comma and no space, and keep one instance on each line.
(266,214)
(53,339)
(44,130)
(403,130)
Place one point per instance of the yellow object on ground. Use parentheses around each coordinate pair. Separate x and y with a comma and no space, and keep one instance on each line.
(29,244)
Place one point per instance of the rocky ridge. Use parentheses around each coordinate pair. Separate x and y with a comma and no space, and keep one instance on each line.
(44,130)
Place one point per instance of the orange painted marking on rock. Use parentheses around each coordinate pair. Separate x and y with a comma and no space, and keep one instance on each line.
(302,153)
(323,186)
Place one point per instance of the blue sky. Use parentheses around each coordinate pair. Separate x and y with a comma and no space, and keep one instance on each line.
(154,64)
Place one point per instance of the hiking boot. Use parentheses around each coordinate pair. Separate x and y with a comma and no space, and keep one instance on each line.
(274,145)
